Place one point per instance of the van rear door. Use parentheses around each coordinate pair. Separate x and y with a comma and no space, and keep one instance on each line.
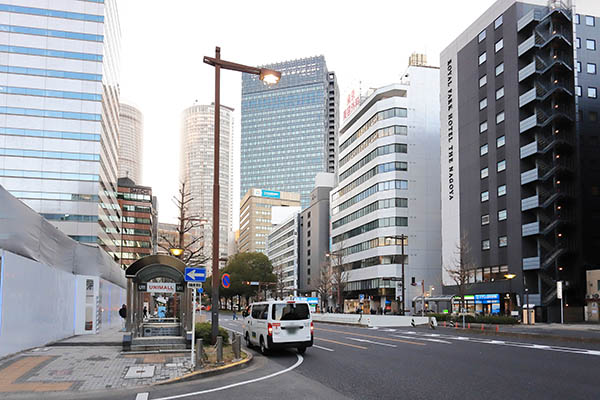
(291,322)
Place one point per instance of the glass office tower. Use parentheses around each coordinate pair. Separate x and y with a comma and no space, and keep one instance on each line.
(289,129)
(59,114)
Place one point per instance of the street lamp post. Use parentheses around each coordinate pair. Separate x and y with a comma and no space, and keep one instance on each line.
(268,76)
(510,277)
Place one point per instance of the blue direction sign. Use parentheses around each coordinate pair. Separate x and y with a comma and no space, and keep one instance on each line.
(195,274)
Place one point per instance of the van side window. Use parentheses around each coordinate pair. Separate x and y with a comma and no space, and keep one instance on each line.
(255,312)
(265,312)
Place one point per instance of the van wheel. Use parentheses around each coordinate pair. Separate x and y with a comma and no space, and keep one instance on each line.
(263,347)
(301,349)
(247,340)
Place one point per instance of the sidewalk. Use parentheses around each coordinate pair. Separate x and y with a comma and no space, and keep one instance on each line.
(86,363)
(570,332)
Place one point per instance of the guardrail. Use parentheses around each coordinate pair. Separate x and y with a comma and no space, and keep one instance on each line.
(371,320)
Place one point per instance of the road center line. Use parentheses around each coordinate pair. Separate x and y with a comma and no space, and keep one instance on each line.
(141,396)
(322,348)
(372,337)
(262,378)
(343,344)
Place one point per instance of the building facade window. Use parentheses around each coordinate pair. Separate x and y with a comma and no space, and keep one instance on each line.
(591,68)
(592,92)
(577,19)
(483,104)
(501,166)
(483,81)
(578,91)
(483,127)
(502,241)
(500,141)
(485,219)
(502,215)
(500,93)
(482,58)
(485,244)
(499,45)
(481,36)
(499,69)
(590,44)
(590,20)
(483,150)
(578,43)
(578,66)
(499,117)
(483,173)
(498,22)
(485,196)
(501,190)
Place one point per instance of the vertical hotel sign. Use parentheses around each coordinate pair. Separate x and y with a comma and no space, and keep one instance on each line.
(449,151)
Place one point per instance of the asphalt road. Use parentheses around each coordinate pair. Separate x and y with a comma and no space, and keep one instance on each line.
(403,363)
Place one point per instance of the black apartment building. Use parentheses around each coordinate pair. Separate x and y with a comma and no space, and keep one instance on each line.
(520,156)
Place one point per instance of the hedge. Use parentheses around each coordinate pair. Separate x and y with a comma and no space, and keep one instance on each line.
(478,319)
(204,331)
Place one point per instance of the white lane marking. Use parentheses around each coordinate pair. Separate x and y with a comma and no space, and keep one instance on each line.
(426,339)
(572,350)
(389,330)
(370,341)
(141,396)
(373,328)
(322,348)
(262,378)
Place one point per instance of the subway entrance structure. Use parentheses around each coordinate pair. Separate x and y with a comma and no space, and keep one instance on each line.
(149,280)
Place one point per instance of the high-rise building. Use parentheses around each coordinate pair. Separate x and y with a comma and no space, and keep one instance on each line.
(520,156)
(139,221)
(59,65)
(387,194)
(197,152)
(260,210)
(131,140)
(314,234)
(282,250)
(289,130)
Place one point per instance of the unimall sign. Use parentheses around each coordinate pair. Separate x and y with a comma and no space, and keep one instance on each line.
(154,287)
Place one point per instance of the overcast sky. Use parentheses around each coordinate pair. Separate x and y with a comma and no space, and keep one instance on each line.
(366,43)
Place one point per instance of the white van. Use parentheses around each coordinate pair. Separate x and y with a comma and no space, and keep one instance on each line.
(278,325)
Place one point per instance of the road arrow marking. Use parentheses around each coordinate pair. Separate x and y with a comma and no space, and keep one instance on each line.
(370,341)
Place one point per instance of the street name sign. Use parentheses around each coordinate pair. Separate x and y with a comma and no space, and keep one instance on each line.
(194,285)
(193,274)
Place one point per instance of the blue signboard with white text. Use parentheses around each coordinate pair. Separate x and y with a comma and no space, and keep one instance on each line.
(270,193)
(195,274)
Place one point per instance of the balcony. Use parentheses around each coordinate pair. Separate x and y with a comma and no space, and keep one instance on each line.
(527,97)
(527,71)
(530,203)
(529,149)
(530,229)
(528,123)
(527,45)
(531,263)
(529,176)
(531,16)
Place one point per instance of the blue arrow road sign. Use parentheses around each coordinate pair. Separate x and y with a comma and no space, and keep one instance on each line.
(200,290)
(195,274)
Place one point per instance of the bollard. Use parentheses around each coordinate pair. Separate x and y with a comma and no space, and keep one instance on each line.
(237,347)
(219,349)
(481,326)
(444,324)
(469,325)
(496,328)
(199,355)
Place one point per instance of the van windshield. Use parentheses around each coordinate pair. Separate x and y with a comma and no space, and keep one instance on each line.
(290,312)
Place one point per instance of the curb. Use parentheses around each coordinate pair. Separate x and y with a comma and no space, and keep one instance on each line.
(210,372)
(525,335)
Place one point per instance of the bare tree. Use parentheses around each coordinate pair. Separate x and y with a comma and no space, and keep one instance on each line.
(325,282)
(462,268)
(339,279)
(280,283)
(187,238)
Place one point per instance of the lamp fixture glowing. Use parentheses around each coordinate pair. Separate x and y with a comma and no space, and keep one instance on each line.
(269,76)
(176,252)
(509,276)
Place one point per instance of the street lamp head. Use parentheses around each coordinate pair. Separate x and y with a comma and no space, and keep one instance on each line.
(176,252)
(269,76)
(509,276)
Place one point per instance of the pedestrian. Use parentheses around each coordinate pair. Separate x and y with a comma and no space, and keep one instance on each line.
(234,315)
(123,315)
(145,312)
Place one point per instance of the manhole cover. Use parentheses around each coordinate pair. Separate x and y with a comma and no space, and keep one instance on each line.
(137,372)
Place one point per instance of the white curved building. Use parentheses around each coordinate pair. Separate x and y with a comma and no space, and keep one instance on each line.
(389,185)
(131,140)
(196,168)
